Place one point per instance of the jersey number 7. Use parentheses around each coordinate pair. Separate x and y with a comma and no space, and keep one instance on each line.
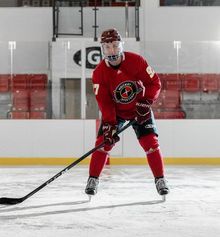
(96,88)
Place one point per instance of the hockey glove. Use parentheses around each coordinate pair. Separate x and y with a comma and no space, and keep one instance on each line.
(110,136)
(143,111)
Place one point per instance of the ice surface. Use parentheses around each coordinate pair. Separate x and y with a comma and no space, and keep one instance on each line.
(126,205)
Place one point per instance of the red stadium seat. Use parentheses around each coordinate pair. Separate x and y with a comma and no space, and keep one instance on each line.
(168,99)
(20,100)
(95,2)
(20,82)
(4,82)
(210,82)
(38,115)
(18,115)
(191,82)
(172,82)
(38,81)
(38,100)
(169,115)
(171,99)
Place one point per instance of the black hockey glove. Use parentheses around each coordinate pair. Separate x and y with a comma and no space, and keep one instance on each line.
(110,136)
(143,111)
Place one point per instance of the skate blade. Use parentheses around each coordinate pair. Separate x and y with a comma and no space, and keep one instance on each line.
(90,197)
(164,198)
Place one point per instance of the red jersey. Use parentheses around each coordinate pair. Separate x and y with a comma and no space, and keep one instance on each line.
(118,89)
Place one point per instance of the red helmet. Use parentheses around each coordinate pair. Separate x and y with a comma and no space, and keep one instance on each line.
(110,35)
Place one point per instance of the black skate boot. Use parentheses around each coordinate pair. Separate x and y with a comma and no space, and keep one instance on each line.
(92,185)
(161,185)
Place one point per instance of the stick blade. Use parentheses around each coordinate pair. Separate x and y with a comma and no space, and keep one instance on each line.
(10,201)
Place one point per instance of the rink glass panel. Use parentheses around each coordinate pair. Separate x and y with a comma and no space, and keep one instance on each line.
(71,100)
(49,80)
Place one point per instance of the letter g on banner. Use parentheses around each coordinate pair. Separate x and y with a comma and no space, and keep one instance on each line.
(93,57)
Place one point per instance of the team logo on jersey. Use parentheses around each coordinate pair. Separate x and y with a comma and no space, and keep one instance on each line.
(125,92)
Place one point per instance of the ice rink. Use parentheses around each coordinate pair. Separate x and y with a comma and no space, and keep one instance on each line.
(126,205)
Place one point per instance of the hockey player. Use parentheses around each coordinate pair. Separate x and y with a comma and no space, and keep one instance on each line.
(125,87)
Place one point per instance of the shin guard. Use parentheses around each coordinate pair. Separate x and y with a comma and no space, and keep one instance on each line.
(99,159)
(154,156)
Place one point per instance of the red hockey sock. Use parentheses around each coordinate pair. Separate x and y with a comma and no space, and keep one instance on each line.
(97,163)
(154,155)
(99,158)
(155,162)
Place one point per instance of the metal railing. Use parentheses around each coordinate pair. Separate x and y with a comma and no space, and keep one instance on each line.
(95,5)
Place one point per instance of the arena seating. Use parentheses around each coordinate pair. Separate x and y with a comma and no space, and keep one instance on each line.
(28,95)
(181,90)
(37,115)
(4,83)
(210,83)
(20,100)
(170,114)
(18,115)
(25,96)
(171,82)
(190,82)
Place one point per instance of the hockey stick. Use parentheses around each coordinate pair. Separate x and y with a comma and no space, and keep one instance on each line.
(13,201)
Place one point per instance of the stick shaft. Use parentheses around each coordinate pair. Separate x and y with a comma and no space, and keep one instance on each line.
(74,163)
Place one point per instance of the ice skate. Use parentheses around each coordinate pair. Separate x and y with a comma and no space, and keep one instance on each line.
(92,186)
(161,186)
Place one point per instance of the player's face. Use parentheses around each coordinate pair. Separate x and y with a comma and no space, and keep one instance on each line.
(112,51)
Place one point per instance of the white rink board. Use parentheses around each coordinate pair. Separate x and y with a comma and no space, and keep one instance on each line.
(73,138)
